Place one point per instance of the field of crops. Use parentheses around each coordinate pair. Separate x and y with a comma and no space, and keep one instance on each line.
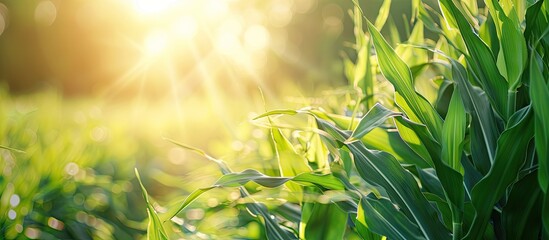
(437,128)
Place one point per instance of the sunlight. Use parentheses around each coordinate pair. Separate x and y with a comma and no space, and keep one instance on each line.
(155,44)
(152,6)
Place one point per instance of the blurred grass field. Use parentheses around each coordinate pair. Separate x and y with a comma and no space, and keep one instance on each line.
(68,162)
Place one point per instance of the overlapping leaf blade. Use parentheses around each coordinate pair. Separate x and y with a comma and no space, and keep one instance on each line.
(484,124)
(373,118)
(453,132)
(522,214)
(510,155)
(539,93)
(382,169)
(398,73)
(481,60)
(382,217)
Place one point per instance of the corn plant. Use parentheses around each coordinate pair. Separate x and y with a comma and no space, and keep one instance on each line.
(470,163)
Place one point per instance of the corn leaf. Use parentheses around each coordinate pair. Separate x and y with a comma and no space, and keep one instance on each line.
(381,216)
(381,169)
(450,179)
(323,182)
(513,46)
(373,118)
(539,93)
(380,139)
(481,61)
(289,161)
(510,155)
(522,214)
(155,229)
(325,221)
(398,73)
(453,132)
(383,13)
(483,126)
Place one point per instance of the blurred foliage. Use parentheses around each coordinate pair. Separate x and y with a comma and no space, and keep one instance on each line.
(69,154)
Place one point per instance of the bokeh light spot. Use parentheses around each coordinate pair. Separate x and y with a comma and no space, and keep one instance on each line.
(55,224)
(281,13)
(3,17)
(14,200)
(12,214)
(72,168)
(256,38)
(45,13)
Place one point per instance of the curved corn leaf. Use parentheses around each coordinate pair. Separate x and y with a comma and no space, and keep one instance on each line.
(539,93)
(274,230)
(277,112)
(381,216)
(513,46)
(383,13)
(290,163)
(324,182)
(325,221)
(450,179)
(510,155)
(381,169)
(481,60)
(453,132)
(483,128)
(398,73)
(413,141)
(376,116)
(378,138)
(155,229)
(522,214)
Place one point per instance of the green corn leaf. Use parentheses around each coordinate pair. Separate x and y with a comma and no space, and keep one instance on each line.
(277,112)
(413,141)
(427,20)
(484,125)
(443,208)
(381,217)
(155,229)
(373,118)
(539,93)
(273,229)
(513,46)
(453,132)
(378,138)
(398,73)
(383,13)
(450,179)
(381,169)
(289,161)
(325,221)
(481,60)
(522,213)
(510,155)
(323,182)
(430,182)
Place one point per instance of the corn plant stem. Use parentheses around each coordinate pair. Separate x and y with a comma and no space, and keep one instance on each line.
(456,230)
(511,102)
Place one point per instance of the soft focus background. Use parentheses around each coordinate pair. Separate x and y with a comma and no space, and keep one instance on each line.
(89,90)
